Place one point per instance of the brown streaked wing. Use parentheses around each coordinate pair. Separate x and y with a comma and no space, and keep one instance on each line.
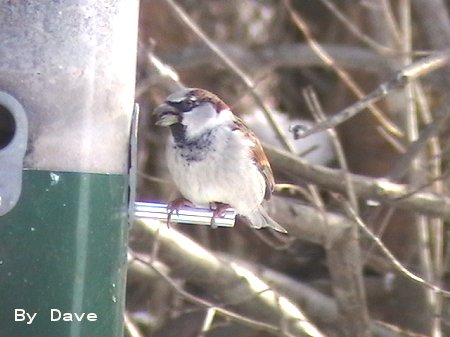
(258,156)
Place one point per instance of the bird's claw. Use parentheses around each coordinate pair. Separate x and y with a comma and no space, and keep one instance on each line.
(175,205)
(218,209)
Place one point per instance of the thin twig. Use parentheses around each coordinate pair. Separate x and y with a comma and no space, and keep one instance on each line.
(154,179)
(381,228)
(165,70)
(396,263)
(415,70)
(393,141)
(425,185)
(354,29)
(130,327)
(390,21)
(316,109)
(342,74)
(207,322)
(428,133)
(400,331)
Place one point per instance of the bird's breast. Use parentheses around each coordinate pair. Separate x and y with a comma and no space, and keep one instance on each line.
(216,167)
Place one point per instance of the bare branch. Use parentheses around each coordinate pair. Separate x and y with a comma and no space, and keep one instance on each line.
(320,307)
(270,57)
(415,70)
(381,190)
(194,264)
(228,282)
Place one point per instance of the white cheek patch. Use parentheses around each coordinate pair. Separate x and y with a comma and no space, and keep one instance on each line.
(200,119)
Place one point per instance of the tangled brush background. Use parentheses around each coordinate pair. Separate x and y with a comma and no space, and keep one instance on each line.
(303,62)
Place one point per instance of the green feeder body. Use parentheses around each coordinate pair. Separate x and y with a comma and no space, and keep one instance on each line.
(67,76)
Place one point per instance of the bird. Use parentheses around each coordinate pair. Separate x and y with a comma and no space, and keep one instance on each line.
(215,160)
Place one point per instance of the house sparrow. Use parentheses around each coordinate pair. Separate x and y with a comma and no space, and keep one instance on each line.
(214,158)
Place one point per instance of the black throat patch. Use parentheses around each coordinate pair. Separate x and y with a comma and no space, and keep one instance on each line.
(178,132)
(195,149)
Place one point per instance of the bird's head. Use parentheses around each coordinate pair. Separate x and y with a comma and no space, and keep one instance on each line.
(192,111)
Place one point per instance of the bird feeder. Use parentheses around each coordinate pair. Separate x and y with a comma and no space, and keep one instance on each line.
(67,75)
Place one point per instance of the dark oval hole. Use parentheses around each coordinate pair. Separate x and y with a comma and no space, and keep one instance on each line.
(7,127)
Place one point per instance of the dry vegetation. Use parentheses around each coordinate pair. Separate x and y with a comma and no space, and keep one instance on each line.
(368,247)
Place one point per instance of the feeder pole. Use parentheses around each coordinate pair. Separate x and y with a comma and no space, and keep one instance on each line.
(67,75)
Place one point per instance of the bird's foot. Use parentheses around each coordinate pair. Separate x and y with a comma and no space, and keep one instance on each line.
(218,209)
(175,205)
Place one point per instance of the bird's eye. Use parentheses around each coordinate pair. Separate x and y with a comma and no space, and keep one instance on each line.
(188,104)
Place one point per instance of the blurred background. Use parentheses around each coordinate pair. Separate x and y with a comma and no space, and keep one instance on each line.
(278,45)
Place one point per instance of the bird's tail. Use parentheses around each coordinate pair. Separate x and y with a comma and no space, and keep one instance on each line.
(259,218)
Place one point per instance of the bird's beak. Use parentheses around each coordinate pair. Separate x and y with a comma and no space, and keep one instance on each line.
(166,115)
